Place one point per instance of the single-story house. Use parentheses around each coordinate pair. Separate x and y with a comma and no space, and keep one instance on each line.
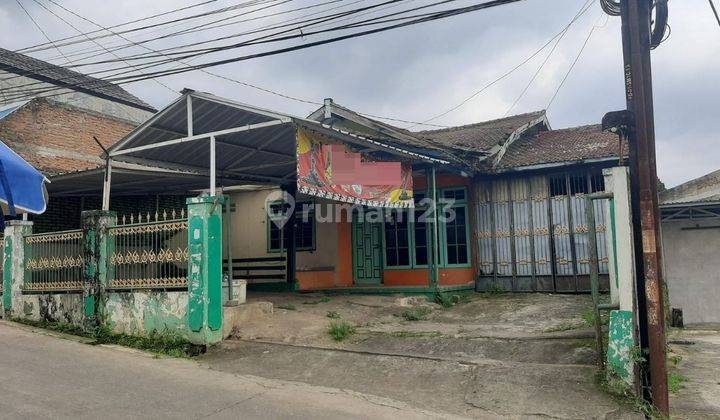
(517,188)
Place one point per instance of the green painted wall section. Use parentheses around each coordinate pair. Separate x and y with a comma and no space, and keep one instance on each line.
(620,345)
(205,269)
(145,312)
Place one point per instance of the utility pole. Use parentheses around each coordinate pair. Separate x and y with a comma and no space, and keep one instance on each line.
(638,39)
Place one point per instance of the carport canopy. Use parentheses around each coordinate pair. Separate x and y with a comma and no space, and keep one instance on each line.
(201,136)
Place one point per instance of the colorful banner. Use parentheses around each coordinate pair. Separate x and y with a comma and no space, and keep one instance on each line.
(321,164)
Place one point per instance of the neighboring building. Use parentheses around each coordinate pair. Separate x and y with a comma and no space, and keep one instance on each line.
(690,217)
(50,116)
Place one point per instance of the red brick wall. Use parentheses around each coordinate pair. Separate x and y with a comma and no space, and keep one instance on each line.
(50,125)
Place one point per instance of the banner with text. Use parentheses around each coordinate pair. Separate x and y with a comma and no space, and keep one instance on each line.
(333,171)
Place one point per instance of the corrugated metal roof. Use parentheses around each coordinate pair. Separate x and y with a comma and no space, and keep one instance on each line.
(252,144)
(705,189)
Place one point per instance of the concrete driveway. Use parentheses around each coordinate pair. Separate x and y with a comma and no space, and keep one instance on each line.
(48,377)
(500,356)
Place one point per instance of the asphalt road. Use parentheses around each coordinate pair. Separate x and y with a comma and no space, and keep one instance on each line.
(43,376)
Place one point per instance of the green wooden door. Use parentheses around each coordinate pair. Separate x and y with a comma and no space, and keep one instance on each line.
(367,252)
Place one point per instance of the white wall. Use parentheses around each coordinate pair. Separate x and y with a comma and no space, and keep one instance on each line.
(691,261)
(250,231)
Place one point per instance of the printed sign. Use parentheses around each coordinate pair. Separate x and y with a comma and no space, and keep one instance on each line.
(333,171)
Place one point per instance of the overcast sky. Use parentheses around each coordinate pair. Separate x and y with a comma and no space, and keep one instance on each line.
(415,73)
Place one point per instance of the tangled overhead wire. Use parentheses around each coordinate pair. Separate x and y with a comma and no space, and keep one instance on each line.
(659,24)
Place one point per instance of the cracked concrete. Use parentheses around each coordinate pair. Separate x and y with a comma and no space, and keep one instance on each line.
(49,377)
(699,351)
(484,358)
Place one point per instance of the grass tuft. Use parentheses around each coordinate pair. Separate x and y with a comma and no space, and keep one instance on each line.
(287,306)
(493,290)
(675,382)
(160,343)
(620,391)
(340,329)
(414,334)
(565,326)
(333,315)
(315,302)
(417,314)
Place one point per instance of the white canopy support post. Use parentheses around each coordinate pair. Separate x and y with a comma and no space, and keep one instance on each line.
(189,116)
(106,186)
(212,166)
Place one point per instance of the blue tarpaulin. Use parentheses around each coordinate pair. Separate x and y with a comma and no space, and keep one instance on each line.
(22,188)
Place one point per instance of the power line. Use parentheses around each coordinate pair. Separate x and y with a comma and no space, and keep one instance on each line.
(427,18)
(577,57)
(714,10)
(265,39)
(162,52)
(42,31)
(506,74)
(582,10)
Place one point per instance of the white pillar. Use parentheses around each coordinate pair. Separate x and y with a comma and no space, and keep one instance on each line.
(212,166)
(106,186)
(622,285)
(189,116)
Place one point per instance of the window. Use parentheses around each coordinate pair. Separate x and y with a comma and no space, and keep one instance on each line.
(578,184)
(397,239)
(558,186)
(455,230)
(304,227)
(420,232)
(597,182)
(407,233)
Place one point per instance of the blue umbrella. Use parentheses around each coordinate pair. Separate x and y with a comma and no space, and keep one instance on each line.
(22,187)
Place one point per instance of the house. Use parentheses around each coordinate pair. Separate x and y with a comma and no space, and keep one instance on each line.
(517,188)
(690,219)
(52,116)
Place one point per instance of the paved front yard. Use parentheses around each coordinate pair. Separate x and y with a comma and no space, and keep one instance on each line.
(521,355)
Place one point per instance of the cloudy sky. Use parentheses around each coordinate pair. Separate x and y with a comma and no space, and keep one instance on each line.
(418,72)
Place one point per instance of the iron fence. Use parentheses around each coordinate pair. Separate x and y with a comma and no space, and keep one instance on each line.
(54,261)
(146,252)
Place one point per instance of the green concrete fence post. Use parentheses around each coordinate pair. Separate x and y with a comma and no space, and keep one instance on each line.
(95,225)
(205,269)
(14,266)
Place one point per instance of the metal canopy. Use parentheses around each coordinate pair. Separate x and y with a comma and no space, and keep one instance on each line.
(127,179)
(252,145)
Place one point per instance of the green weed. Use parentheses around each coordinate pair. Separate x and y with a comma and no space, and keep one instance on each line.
(315,302)
(619,390)
(159,343)
(60,327)
(339,330)
(565,326)
(675,382)
(588,315)
(493,290)
(287,306)
(414,334)
(417,314)
(333,315)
